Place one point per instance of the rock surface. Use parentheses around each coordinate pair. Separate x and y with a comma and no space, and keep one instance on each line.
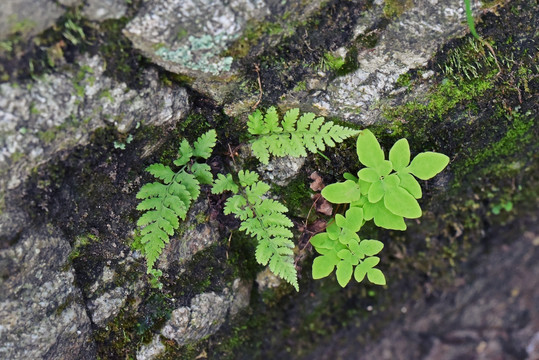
(26,18)
(42,311)
(61,111)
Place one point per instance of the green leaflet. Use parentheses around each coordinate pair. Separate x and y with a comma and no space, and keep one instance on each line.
(263,219)
(165,203)
(343,250)
(294,135)
(384,191)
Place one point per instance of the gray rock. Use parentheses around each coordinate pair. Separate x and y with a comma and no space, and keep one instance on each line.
(189,36)
(152,350)
(408,42)
(27,18)
(281,170)
(40,307)
(204,317)
(99,10)
(199,233)
(206,314)
(40,118)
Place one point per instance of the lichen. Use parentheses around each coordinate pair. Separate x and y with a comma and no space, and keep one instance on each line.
(200,53)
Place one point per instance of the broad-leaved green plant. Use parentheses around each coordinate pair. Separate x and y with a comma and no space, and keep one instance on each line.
(167,201)
(384,190)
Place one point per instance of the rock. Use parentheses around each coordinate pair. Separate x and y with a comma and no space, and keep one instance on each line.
(200,233)
(99,10)
(20,18)
(42,312)
(189,36)
(408,42)
(281,170)
(40,118)
(206,314)
(152,350)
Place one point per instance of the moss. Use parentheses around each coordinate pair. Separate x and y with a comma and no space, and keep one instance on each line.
(395,8)
(47,136)
(296,195)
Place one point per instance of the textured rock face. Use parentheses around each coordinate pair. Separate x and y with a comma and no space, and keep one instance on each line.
(189,37)
(30,17)
(203,317)
(406,43)
(42,312)
(40,118)
(99,10)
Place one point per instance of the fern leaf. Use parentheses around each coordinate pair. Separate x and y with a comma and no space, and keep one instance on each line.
(289,120)
(150,203)
(272,121)
(204,144)
(224,183)
(247,177)
(269,205)
(256,125)
(255,191)
(185,153)
(284,267)
(181,192)
(260,150)
(202,173)
(151,190)
(234,204)
(152,250)
(161,171)
(177,205)
(294,136)
(190,182)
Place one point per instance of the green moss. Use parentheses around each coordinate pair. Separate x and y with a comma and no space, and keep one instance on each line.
(395,8)
(404,80)
(496,159)
(296,196)
(47,136)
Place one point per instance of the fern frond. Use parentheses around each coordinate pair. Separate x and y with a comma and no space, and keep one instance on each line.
(247,177)
(161,172)
(204,144)
(185,153)
(265,220)
(164,205)
(203,173)
(293,136)
(224,183)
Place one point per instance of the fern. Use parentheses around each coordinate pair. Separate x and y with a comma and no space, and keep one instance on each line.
(166,202)
(263,219)
(292,136)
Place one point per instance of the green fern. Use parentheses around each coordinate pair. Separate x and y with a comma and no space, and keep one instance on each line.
(263,219)
(292,136)
(167,201)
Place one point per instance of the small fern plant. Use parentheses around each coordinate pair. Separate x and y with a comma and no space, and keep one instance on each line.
(167,201)
(385,191)
(292,136)
(262,218)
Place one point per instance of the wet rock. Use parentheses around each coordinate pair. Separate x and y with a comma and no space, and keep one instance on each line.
(21,18)
(40,118)
(99,10)
(42,312)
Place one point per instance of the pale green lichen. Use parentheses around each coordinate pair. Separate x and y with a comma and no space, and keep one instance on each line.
(200,53)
